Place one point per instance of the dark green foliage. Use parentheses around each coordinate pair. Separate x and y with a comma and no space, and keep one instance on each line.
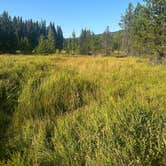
(85,42)
(144,28)
(126,25)
(7,34)
(51,41)
(156,12)
(42,47)
(25,46)
(16,34)
(46,45)
(59,39)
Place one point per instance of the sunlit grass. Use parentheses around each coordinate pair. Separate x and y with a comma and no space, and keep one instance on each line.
(82,111)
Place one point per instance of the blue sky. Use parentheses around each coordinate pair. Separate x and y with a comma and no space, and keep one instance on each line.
(71,14)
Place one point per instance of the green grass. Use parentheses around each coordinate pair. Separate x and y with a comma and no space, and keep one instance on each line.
(82,111)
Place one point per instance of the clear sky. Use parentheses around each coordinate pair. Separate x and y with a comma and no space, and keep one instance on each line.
(71,14)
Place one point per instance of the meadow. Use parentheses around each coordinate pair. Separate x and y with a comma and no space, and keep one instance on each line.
(57,110)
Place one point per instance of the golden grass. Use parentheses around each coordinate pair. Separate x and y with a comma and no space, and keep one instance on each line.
(85,110)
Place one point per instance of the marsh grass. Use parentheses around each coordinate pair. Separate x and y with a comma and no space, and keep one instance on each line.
(82,111)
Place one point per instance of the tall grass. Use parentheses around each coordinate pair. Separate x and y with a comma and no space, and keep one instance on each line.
(82,111)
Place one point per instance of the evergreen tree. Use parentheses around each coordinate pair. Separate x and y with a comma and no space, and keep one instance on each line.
(116,41)
(157,27)
(42,47)
(139,32)
(7,35)
(51,41)
(126,25)
(25,46)
(144,28)
(85,42)
(16,34)
(59,38)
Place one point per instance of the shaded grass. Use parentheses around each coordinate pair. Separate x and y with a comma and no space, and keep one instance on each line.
(82,111)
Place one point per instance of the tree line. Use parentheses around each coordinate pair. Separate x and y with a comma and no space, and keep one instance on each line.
(144,28)
(89,43)
(143,31)
(28,36)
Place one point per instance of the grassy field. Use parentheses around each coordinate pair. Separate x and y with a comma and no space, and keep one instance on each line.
(82,111)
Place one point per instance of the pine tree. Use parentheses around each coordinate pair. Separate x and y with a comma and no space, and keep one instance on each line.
(15,32)
(51,41)
(59,39)
(7,36)
(126,25)
(25,46)
(139,31)
(42,47)
(85,42)
(157,27)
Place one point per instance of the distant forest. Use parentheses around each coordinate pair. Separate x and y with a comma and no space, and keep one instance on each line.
(143,31)
(25,36)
